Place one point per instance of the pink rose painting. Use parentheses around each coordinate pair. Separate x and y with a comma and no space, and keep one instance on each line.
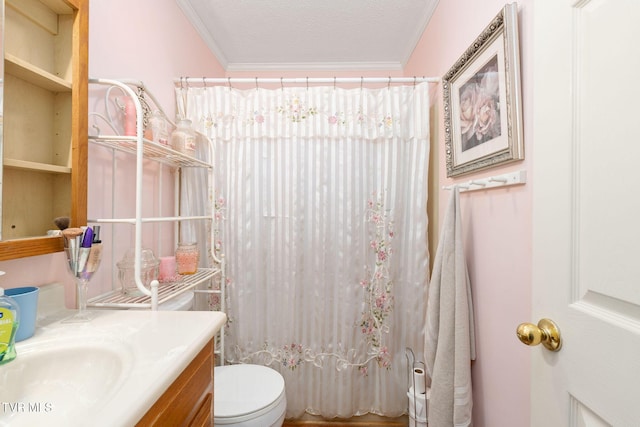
(480,106)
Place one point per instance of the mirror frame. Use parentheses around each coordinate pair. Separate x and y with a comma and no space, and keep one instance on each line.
(21,248)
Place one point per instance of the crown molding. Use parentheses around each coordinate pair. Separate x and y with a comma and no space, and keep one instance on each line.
(196,21)
(315,66)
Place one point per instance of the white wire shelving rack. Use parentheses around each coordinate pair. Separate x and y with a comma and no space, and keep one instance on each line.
(143,149)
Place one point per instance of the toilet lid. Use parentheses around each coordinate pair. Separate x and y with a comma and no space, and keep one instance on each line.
(240,390)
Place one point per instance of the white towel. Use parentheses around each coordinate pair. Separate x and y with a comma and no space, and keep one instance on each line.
(450,336)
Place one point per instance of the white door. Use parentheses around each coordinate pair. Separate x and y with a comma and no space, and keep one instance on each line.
(586,220)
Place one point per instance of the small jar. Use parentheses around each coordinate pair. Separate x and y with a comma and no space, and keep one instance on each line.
(159,132)
(126,271)
(187,257)
(183,138)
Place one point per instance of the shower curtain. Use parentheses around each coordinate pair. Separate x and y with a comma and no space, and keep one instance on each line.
(321,194)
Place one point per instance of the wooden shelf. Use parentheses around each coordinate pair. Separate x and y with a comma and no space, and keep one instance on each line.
(12,249)
(36,167)
(45,150)
(58,6)
(34,75)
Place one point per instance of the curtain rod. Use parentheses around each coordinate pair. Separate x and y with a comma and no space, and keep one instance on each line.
(203,81)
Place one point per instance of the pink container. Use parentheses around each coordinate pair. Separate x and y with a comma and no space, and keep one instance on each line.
(168,270)
(187,257)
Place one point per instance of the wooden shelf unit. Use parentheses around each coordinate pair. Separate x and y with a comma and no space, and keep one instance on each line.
(45,121)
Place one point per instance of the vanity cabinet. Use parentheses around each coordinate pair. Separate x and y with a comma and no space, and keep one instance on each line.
(189,400)
(44,168)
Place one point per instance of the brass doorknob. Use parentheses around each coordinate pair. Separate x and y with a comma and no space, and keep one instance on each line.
(546,332)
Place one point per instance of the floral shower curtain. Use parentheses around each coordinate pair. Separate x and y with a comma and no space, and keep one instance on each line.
(323,192)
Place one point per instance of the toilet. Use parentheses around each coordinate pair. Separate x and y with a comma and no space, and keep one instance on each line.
(248,396)
(244,395)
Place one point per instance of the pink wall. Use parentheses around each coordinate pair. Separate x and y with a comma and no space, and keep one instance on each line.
(152,41)
(147,40)
(497,223)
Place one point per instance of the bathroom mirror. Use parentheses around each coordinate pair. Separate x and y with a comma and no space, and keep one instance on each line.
(43,120)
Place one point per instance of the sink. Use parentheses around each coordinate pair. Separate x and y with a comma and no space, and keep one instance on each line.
(104,373)
(70,377)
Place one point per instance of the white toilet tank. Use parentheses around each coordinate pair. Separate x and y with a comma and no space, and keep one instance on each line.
(248,396)
(183,302)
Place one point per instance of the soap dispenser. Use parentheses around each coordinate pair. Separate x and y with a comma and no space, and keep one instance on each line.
(9,321)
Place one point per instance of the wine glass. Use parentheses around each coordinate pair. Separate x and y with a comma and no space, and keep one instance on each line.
(83,259)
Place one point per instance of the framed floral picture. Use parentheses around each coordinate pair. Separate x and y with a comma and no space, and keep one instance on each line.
(482,100)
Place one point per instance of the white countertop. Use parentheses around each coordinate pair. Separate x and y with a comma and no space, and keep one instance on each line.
(153,347)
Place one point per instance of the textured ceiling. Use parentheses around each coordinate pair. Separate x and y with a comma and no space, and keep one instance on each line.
(306,34)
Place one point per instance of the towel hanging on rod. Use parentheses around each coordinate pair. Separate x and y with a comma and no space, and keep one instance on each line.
(504,180)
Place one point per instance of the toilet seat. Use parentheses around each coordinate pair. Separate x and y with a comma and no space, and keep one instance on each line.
(246,392)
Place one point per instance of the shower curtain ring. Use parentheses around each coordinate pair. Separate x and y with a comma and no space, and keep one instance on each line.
(281,84)
(389,83)
(256,83)
(307,82)
(229,83)
(204,82)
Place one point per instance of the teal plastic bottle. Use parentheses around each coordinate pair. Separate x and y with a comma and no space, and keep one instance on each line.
(9,321)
